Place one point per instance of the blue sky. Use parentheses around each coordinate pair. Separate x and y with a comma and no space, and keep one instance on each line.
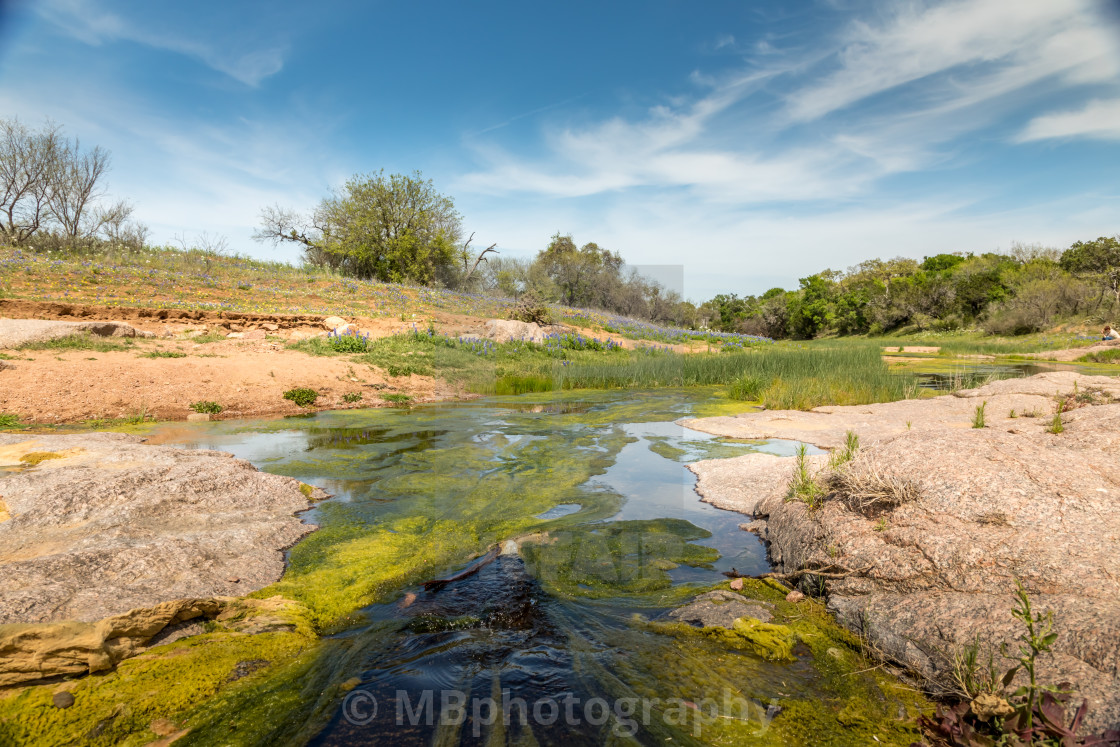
(749,143)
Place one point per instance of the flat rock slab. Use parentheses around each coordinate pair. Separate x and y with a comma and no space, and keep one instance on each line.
(100,524)
(16,332)
(984,507)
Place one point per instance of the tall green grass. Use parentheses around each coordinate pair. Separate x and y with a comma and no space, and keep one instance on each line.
(802,379)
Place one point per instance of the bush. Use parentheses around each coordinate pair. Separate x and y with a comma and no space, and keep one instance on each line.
(7,420)
(348,342)
(352,397)
(302,396)
(207,407)
(531,309)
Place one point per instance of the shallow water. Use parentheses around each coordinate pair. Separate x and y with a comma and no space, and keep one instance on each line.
(554,627)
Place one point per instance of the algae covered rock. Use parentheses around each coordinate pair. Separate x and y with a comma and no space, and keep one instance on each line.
(984,507)
(102,523)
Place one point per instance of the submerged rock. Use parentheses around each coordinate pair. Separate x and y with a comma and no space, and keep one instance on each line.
(937,519)
(719,608)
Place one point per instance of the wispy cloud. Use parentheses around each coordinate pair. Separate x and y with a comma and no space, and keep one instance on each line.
(86,21)
(950,69)
(1097,119)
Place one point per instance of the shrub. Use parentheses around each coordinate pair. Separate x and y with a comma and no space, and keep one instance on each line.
(302,396)
(531,309)
(8,420)
(352,397)
(348,342)
(207,407)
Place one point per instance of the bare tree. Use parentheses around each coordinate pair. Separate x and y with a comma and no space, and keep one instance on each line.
(28,164)
(77,185)
(115,223)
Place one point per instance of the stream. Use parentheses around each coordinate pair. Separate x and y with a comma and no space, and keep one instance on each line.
(556,639)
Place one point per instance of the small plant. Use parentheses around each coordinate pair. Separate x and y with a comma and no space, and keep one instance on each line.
(978,416)
(845,454)
(908,424)
(1034,714)
(1056,426)
(348,342)
(8,420)
(163,354)
(398,400)
(302,396)
(880,525)
(803,486)
(352,397)
(206,407)
(1012,414)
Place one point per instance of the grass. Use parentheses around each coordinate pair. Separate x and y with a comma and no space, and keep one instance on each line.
(8,420)
(81,342)
(302,396)
(397,400)
(352,397)
(163,354)
(804,378)
(977,343)
(803,486)
(978,415)
(1105,356)
(1056,425)
(207,407)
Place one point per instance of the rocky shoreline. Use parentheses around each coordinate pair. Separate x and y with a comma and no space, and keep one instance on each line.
(934,520)
(107,541)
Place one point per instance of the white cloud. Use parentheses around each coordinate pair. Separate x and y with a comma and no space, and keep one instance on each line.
(990,46)
(85,21)
(1097,119)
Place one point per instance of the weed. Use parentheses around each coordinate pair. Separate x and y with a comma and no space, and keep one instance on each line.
(163,354)
(80,342)
(1056,426)
(352,397)
(348,342)
(803,485)
(978,416)
(846,453)
(302,396)
(398,400)
(208,338)
(880,526)
(908,424)
(1012,414)
(207,407)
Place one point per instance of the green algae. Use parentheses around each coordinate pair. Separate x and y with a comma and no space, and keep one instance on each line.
(420,494)
(828,692)
(622,559)
(37,457)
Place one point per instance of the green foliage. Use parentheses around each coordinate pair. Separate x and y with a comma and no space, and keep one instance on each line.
(978,415)
(352,397)
(8,420)
(302,396)
(163,354)
(207,407)
(81,342)
(1105,356)
(801,379)
(398,400)
(394,228)
(348,342)
(1056,425)
(803,486)
(846,453)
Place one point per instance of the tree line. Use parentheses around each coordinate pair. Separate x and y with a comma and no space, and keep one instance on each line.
(1028,289)
(399,228)
(52,191)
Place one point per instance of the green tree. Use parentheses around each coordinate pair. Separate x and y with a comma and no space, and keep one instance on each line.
(393,229)
(581,275)
(1099,259)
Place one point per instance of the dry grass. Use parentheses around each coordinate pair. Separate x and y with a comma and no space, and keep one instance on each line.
(869,490)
